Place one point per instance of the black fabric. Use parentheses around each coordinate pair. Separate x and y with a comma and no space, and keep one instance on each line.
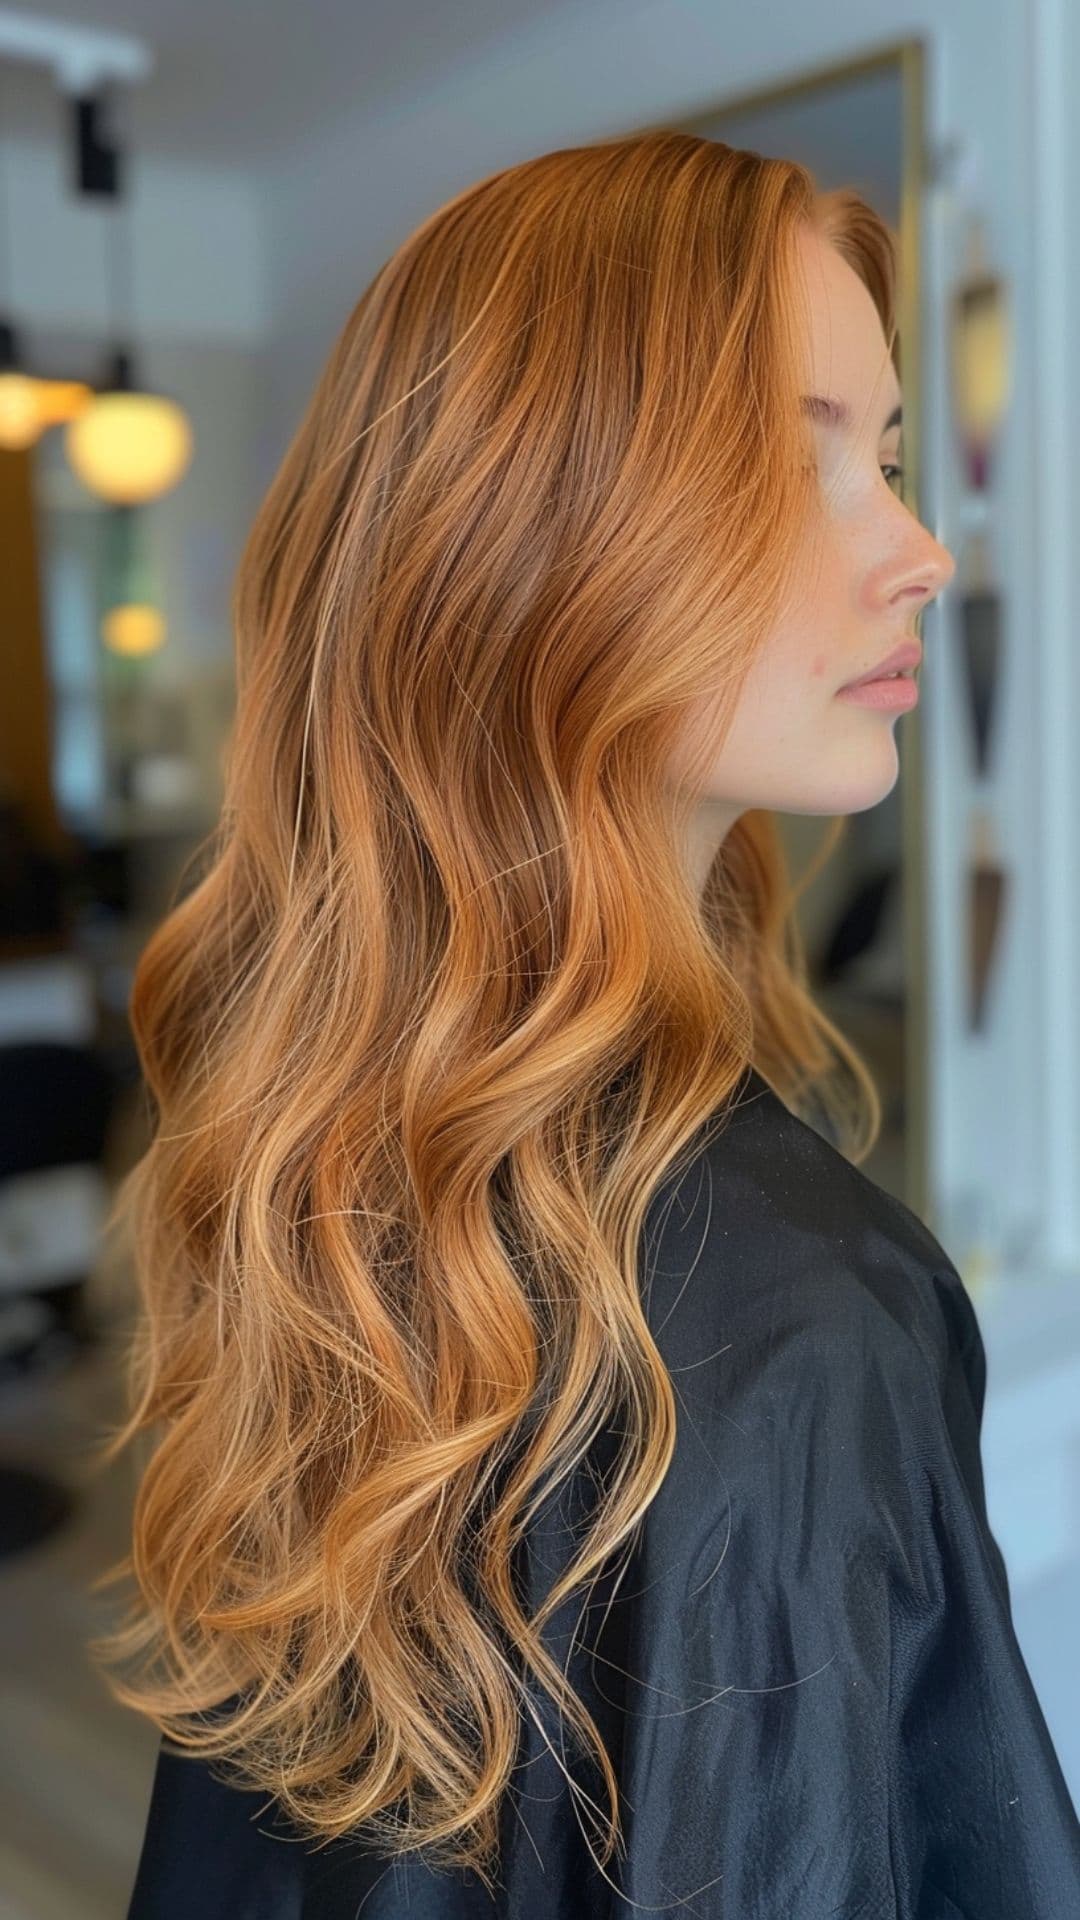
(808,1677)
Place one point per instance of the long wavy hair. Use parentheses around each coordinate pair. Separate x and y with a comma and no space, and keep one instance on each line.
(438,1006)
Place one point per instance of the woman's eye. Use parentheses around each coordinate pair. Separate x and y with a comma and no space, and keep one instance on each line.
(897,473)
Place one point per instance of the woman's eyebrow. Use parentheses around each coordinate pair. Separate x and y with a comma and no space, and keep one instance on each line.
(837,413)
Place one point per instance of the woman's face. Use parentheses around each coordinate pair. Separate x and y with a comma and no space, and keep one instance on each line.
(863,576)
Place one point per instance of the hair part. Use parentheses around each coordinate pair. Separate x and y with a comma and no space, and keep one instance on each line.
(441,1008)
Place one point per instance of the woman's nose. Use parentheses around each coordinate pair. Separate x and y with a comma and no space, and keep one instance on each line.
(933,569)
(946,565)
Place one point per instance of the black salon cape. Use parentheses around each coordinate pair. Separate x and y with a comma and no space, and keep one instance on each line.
(808,1678)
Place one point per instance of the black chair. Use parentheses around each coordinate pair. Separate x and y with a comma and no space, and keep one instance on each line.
(56,1102)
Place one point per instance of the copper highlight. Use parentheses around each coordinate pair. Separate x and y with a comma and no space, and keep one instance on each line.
(440,1007)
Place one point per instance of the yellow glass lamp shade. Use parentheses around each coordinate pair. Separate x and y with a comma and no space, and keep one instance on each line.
(134,629)
(981,355)
(60,400)
(30,404)
(129,447)
(21,420)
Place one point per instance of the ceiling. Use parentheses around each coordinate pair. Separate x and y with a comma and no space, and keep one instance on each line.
(241,81)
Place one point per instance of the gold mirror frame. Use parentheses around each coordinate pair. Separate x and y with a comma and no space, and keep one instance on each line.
(907,57)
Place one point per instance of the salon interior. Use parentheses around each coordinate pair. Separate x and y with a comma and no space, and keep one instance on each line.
(192,199)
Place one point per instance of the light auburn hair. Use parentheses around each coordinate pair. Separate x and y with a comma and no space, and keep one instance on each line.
(440,1007)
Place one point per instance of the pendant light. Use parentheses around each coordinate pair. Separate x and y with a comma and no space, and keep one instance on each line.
(127,446)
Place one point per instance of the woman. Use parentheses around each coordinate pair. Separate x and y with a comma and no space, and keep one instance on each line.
(566,1498)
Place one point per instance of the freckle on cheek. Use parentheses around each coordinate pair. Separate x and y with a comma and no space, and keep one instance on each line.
(817,665)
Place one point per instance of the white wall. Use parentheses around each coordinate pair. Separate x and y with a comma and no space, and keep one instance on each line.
(198,260)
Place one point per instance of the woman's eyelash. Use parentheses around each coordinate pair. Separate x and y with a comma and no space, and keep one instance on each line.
(893,468)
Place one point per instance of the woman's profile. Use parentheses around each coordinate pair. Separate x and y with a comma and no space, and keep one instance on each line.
(560,1490)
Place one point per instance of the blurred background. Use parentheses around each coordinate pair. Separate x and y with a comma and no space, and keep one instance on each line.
(191,201)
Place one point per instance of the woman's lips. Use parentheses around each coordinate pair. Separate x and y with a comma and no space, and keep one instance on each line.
(888,696)
(904,657)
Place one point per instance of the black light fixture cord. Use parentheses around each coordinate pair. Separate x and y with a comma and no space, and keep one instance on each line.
(121,309)
(99,173)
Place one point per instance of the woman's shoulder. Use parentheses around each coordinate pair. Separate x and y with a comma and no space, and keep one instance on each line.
(768,1224)
(825,1354)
